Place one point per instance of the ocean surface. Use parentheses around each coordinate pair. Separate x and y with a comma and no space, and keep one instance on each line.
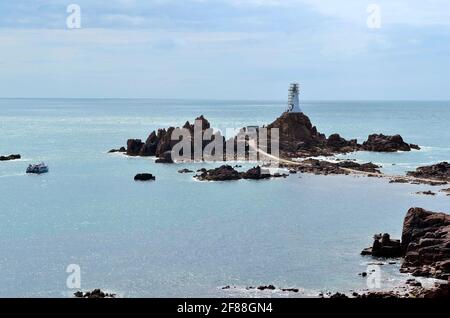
(177,237)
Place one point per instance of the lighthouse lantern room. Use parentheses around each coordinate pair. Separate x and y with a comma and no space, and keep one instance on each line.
(293,101)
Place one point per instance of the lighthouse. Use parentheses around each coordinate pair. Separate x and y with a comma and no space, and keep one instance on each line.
(293,101)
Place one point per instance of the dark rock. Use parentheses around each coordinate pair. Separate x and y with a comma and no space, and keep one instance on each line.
(166,157)
(144,177)
(338,296)
(383,143)
(383,246)
(185,170)
(293,290)
(121,149)
(223,173)
(269,287)
(426,243)
(134,147)
(10,157)
(426,193)
(96,293)
(440,172)
(256,173)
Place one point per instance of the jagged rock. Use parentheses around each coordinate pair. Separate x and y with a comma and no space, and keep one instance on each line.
(166,157)
(96,293)
(440,172)
(144,177)
(383,246)
(121,149)
(223,173)
(10,157)
(134,147)
(426,243)
(256,173)
(383,143)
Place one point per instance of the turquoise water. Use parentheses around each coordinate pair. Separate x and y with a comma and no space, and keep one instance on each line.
(180,238)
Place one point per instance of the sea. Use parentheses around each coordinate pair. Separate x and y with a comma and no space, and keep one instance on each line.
(87,224)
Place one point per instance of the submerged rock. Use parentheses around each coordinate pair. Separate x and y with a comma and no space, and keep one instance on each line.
(185,170)
(383,143)
(121,149)
(144,177)
(10,157)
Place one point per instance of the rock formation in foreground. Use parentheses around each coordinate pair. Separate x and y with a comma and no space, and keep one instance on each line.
(10,157)
(439,172)
(426,243)
(322,167)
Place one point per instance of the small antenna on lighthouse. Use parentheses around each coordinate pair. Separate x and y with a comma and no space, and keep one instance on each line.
(293,100)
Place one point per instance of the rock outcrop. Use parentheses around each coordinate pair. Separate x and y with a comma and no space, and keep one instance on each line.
(96,293)
(121,149)
(223,173)
(439,172)
(10,157)
(383,143)
(426,243)
(322,167)
(227,173)
(384,246)
(144,177)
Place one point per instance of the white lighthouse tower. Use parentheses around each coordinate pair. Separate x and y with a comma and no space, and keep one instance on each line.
(293,101)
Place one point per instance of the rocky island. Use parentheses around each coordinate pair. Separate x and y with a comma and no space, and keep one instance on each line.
(298,138)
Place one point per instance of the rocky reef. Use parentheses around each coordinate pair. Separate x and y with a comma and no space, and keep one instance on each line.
(383,143)
(10,157)
(323,167)
(227,173)
(439,172)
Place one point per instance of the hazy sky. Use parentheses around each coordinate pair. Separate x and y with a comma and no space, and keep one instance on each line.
(225,49)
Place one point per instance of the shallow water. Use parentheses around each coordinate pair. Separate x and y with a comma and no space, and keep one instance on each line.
(177,237)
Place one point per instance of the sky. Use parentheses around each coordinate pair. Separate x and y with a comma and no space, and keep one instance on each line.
(226,49)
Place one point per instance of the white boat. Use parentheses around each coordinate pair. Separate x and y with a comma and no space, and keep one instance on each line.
(37,169)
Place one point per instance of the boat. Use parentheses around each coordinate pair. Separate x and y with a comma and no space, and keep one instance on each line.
(38,169)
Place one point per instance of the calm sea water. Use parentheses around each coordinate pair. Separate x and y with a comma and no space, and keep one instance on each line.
(180,238)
